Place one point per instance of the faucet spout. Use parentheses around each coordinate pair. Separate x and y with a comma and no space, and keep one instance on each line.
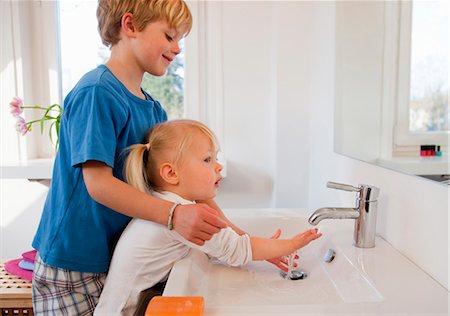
(333,213)
(365,212)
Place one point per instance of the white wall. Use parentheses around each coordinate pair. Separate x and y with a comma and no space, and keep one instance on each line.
(294,100)
(248,64)
(266,104)
(278,127)
(21,205)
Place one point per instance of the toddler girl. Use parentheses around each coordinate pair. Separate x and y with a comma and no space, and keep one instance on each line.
(178,164)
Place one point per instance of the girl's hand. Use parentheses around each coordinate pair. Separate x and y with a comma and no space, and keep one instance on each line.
(301,240)
(280,262)
(197,222)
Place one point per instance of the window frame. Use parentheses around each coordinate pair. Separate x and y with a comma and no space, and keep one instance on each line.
(404,141)
(203,86)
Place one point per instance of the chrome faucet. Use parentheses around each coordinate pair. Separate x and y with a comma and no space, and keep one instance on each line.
(364,213)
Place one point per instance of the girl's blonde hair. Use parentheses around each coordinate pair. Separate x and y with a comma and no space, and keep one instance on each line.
(166,142)
(110,13)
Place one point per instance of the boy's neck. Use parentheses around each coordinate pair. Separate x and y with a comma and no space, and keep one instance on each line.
(128,73)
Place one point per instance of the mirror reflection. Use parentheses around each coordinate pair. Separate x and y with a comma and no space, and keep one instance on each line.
(392,85)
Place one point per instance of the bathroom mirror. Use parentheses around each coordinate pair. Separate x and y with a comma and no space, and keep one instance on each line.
(384,70)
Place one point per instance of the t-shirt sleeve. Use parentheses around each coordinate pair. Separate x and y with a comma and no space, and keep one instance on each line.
(226,246)
(95,122)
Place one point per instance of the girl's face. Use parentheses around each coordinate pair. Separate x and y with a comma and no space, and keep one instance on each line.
(199,171)
(155,47)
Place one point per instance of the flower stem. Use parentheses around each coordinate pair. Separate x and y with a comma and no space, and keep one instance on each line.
(37,107)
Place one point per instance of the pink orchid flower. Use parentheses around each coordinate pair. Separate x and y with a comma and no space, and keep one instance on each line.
(21,125)
(51,113)
(16,106)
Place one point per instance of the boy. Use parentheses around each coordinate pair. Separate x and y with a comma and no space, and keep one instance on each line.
(88,204)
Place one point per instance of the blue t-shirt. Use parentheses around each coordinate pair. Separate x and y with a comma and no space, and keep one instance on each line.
(100,119)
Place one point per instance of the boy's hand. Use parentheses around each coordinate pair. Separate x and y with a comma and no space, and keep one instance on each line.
(197,222)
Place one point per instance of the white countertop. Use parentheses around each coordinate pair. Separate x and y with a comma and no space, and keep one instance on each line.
(32,169)
(375,281)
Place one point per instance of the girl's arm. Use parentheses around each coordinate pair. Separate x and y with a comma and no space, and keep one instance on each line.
(264,249)
(196,222)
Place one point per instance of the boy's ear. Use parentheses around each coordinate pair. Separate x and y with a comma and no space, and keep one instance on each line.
(127,24)
(169,173)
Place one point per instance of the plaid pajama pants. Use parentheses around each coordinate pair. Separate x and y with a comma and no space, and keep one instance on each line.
(59,291)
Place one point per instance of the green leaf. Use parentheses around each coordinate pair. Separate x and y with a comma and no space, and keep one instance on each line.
(57,128)
(50,133)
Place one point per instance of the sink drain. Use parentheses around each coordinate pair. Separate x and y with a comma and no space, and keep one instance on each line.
(294,275)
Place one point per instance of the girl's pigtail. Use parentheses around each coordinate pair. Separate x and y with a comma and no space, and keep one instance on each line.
(135,168)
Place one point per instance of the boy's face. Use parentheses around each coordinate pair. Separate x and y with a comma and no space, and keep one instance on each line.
(155,47)
(199,171)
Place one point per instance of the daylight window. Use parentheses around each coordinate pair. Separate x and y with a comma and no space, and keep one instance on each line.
(429,101)
(422,92)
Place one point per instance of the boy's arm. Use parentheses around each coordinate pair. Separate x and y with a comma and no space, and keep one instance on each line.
(214,205)
(197,222)
(264,249)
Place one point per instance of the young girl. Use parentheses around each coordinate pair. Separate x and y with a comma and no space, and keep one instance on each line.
(177,164)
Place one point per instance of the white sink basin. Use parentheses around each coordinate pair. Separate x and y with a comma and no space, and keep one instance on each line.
(352,282)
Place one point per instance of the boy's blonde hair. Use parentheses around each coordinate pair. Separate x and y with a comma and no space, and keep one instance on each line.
(110,13)
(166,142)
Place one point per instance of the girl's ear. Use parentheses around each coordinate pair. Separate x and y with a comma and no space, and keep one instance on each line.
(169,173)
(127,24)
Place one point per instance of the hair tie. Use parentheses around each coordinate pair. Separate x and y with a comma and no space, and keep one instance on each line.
(147,146)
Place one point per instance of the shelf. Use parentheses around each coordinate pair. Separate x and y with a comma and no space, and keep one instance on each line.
(417,165)
(33,169)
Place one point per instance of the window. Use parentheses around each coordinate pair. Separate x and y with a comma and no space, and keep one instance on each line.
(43,66)
(75,62)
(423,101)
(169,89)
(428,103)
(29,51)
(198,95)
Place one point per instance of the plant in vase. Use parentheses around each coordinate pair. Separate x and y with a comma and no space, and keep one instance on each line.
(51,113)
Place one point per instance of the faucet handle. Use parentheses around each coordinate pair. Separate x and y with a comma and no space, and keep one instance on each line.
(344,187)
(366,192)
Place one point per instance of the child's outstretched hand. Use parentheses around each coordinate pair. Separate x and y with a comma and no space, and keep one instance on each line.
(301,240)
(280,262)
